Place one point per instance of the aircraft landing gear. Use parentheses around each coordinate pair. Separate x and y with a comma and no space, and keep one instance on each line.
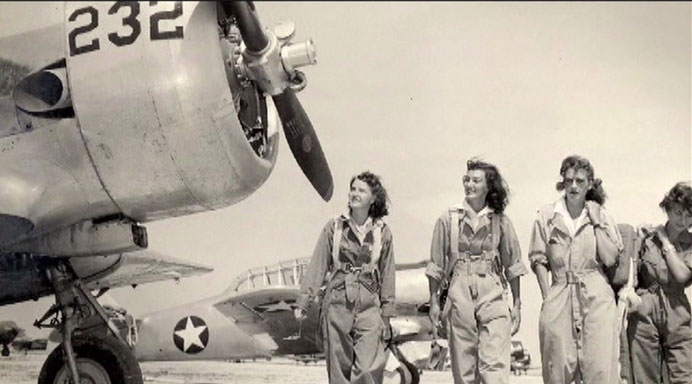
(5,350)
(93,350)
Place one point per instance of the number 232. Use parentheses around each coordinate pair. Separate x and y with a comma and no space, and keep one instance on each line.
(131,21)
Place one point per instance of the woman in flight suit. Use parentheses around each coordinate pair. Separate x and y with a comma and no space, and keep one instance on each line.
(356,250)
(574,238)
(659,330)
(475,248)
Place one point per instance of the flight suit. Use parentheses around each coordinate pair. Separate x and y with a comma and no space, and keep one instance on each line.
(659,330)
(578,328)
(477,312)
(359,293)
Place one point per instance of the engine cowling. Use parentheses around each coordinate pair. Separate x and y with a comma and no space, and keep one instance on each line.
(158,107)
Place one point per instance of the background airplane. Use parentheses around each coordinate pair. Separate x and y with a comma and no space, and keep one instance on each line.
(253,318)
(9,330)
(124,114)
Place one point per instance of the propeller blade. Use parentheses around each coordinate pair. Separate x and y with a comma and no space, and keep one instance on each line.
(304,143)
(248,23)
(298,129)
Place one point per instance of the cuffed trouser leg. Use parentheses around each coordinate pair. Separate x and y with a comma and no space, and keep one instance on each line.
(370,357)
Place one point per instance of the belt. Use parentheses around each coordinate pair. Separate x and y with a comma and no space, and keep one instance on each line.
(569,278)
(474,264)
(573,277)
(348,267)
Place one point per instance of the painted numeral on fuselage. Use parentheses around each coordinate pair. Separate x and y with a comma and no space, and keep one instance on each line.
(155,32)
(72,36)
(131,21)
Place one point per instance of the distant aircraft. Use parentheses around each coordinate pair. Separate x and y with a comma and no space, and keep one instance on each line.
(28,344)
(9,330)
(122,114)
(520,358)
(254,318)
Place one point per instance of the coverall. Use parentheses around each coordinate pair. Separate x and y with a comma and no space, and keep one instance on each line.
(659,330)
(359,293)
(578,320)
(477,313)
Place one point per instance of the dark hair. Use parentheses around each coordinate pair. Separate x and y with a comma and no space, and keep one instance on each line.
(379,207)
(680,194)
(498,191)
(596,193)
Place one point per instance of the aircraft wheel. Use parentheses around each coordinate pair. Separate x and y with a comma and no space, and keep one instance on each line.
(100,360)
(5,351)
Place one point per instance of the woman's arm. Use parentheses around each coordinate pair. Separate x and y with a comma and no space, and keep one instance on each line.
(676,265)
(538,256)
(387,268)
(319,265)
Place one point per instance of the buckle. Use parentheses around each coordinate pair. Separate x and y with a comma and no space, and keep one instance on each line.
(350,268)
(475,257)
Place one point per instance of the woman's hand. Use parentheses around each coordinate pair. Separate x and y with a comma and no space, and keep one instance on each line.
(387,329)
(300,314)
(593,210)
(434,315)
(516,317)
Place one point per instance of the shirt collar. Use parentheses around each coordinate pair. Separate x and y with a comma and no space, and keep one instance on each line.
(465,207)
(560,208)
(346,216)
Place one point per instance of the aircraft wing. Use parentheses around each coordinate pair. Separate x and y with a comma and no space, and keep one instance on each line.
(142,267)
(268,313)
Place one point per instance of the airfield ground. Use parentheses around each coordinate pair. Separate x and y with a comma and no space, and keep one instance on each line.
(24,369)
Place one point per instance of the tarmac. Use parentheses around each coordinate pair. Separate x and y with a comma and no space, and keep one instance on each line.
(24,369)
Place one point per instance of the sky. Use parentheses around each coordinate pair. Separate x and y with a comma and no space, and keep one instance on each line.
(412,90)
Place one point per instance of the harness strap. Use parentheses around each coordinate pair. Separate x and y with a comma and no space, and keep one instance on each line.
(486,256)
(336,242)
(375,251)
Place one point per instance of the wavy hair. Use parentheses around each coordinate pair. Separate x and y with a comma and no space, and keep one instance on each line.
(498,190)
(596,193)
(680,194)
(379,208)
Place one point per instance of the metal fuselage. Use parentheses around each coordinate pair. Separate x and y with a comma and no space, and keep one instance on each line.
(124,110)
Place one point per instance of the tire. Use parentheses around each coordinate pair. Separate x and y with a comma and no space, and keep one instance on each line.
(100,360)
(5,351)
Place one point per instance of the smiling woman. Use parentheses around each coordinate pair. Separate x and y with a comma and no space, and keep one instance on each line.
(358,301)
(474,255)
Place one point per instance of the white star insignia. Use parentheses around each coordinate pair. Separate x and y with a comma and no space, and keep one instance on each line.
(277,307)
(190,335)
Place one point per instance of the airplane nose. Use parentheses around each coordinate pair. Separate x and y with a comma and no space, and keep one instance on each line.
(273,67)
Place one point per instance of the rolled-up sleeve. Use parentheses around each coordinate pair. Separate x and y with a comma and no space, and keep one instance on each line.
(510,252)
(438,249)
(319,265)
(387,267)
(538,249)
